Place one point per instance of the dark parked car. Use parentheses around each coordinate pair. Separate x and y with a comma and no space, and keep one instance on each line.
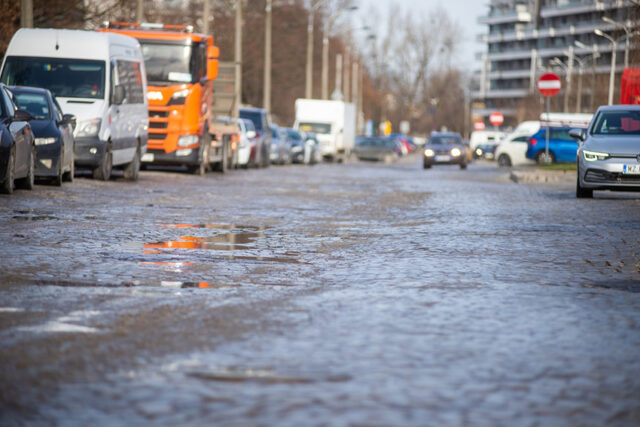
(17,149)
(445,149)
(609,153)
(53,133)
(261,155)
(378,148)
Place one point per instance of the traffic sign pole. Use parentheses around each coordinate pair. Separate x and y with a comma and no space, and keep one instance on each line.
(548,85)
(546,144)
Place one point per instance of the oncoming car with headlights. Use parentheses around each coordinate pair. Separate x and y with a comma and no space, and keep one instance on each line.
(609,151)
(445,149)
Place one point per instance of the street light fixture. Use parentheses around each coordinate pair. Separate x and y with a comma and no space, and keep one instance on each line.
(612,73)
(628,33)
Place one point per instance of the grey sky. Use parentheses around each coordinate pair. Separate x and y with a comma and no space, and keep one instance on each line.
(466,12)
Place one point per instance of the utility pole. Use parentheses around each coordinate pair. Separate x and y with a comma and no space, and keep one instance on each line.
(325,63)
(26,13)
(347,73)
(140,11)
(206,13)
(267,59)
(237,57)
(569,78)
(308,87)
(337,92)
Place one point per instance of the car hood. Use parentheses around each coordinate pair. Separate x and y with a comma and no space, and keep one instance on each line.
(614,144)
(44,128)
(83,109)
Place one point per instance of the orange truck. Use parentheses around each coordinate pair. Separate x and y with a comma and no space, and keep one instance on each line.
(181,66)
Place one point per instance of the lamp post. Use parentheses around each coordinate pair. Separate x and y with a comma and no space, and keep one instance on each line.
(266,98)
(557,61)
(580,62)
(325,48)
(628,32)
(308,88)
(238,57)
(612,73)
(594,56)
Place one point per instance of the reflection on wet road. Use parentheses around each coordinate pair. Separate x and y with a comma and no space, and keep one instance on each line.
(339,294)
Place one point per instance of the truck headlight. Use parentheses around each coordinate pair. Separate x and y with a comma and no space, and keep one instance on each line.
(429,152)
(179,98)
(592,156)
(87,128)
(187,140)
(45,141)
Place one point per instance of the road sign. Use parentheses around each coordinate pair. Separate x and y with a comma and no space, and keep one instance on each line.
(478,125)
(549,85)
(496,118)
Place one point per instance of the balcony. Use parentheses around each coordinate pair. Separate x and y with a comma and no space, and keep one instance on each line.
(501,93)
(582,7)
(519,15)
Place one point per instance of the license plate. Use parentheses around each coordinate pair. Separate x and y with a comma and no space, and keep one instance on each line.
(631,169)
(147,157)
(443,158)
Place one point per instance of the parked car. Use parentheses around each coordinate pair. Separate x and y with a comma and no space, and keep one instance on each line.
(445,149)
(485,151)
(98,77)
(512,150)
(53,133)
(260,155)
(17,149)
(280,146)
(609,153)
(378,149)
(484,138)
(248,142)
(562,146)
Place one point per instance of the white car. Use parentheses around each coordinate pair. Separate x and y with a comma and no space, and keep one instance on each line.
(512,150)
(247,135)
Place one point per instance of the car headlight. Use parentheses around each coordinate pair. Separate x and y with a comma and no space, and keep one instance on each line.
(179,97)
(429,152)
(479,151)
(45,141)
(592,156)
(455,152)
(87,128)
(187,140)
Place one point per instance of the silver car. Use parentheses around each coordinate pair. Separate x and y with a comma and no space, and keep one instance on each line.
(609,151)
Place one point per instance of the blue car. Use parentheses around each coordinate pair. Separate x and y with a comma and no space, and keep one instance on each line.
(562,147)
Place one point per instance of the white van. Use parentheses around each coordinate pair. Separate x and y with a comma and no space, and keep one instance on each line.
(99,78)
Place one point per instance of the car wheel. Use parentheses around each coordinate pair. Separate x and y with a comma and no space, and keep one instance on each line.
(8,183)
(28,182)
(132,171)
(504,161)
(541,158)
(103,171)
(425,166)
(581,192)
(463,165)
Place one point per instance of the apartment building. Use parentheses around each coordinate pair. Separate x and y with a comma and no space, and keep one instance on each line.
(527,38)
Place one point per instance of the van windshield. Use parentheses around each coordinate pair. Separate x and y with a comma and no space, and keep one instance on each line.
(66,78)
(171,63)
(321,128)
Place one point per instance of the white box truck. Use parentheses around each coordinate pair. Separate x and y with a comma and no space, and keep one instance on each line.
(333,122)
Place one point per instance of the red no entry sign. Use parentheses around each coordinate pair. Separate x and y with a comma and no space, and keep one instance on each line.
(549,85)
(496,118)
(478,125)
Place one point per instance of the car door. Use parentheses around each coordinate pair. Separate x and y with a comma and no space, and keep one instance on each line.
(566,145)
(66,133)
(21,133)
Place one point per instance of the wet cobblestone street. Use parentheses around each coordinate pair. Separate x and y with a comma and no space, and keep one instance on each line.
(346,294)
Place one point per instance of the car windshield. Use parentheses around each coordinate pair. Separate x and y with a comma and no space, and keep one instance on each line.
(254,116)
(168,63)
(619,122)
(323,128)
(445,140)
(294,134)
(67,78)
(35,103)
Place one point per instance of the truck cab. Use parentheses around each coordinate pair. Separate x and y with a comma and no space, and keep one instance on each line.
(181,66)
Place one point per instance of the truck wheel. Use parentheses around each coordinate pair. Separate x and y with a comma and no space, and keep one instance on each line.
(222,165)
(132,170)
(103,171)
(201,168)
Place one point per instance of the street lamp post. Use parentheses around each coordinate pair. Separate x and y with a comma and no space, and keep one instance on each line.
(267,59)
(325,48)
(580,62)
(594,56)
(628,33)
(612,73)
(238,57)
(308,88)
(557,61)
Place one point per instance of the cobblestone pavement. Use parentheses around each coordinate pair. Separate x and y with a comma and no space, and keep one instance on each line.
(358,294)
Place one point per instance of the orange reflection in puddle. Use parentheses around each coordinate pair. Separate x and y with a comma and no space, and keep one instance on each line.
(168,264)
(215,226)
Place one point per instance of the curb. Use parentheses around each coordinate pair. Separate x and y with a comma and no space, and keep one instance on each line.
(540,177)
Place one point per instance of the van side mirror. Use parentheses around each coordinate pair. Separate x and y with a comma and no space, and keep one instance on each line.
(69,119)
(22,116)
(119,95)
(578,134)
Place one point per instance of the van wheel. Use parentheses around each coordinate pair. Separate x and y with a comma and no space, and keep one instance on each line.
(8,183)
(132,170)
(504,161)
(28,182)
(103,171)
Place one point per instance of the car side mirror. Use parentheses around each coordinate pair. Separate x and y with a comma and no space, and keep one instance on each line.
(119,94)
(22,116)
(251,134)
(578,134)
(69,119)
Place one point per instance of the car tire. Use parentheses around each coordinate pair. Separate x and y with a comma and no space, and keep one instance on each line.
(28,182)
(425,166)
(132,170)
(8,183)
(581,192)
(103,171)
(463,165)
(504,161)
(540,158)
